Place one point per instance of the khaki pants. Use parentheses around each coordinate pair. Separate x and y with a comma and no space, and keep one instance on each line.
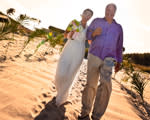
(94,91)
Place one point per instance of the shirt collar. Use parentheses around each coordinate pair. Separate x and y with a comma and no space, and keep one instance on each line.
(112,21)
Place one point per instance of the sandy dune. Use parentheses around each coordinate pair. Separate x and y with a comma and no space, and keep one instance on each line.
(27,92)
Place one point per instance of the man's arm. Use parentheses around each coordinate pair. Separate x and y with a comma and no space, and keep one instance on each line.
(91,29)
(97,32)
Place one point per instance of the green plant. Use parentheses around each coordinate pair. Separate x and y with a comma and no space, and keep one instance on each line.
(50,37)
(34,34)
(138,83)
(53,41)
(16,25)
(127,66)
(10,11)
(125,79)
(23,19)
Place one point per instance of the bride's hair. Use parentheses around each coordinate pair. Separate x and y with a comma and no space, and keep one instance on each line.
(88,10)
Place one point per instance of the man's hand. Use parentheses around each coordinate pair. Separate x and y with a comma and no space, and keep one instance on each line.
(117,67)
(97,31)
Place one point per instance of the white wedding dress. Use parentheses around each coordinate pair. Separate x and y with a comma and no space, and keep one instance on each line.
(68,65)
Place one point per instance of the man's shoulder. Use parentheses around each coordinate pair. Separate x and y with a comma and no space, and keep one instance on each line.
(98,19)
(119,25)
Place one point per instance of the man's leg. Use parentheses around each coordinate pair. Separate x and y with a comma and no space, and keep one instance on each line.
(104,89)
(89,91)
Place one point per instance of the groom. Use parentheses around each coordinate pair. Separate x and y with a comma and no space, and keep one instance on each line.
(106,37)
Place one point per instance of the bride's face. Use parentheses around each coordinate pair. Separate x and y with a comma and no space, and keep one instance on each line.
(86,16)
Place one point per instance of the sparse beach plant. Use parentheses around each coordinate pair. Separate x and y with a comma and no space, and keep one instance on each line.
(138,83)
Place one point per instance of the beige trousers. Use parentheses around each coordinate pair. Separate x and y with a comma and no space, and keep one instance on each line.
(94,92)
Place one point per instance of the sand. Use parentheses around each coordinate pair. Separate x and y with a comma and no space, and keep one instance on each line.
(27,90)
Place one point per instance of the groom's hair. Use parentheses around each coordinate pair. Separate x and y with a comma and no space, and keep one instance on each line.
(112,5)
(88,10)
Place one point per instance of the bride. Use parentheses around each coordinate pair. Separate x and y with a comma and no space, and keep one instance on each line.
(71,57)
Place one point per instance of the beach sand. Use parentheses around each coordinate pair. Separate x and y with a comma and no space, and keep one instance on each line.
(27,89)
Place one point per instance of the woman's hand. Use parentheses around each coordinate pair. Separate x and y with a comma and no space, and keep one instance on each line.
(71,34)
(65,34)
(68,34)
(89,42)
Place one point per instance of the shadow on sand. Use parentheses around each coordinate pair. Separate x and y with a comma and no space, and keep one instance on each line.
(52,112)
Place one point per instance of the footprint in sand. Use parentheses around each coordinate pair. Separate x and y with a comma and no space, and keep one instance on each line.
(36,110)
(41,104)
(43,100)
(44,95)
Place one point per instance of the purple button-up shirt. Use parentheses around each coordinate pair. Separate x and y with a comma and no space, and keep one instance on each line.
(109,43)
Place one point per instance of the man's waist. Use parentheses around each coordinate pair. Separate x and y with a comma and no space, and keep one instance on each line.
(104,56)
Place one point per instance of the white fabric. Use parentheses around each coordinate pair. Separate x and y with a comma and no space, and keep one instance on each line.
(68,65)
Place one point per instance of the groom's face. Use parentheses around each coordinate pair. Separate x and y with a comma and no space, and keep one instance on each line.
(110,12)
